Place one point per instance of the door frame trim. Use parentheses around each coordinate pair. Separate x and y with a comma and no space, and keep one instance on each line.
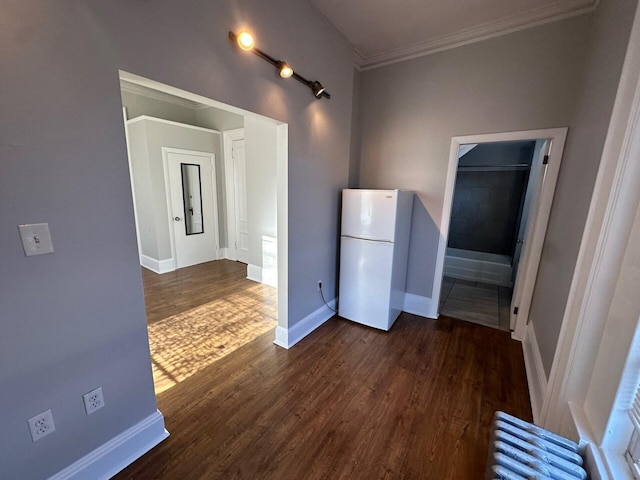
(228,136)
(167,185)
(282,178)
(539,214)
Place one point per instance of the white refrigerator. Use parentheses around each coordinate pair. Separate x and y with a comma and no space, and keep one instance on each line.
(374,246)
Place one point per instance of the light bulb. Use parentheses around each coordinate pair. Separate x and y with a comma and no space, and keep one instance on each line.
(285,70)
(245,41)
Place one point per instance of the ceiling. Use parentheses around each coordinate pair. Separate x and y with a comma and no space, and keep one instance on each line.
(385,31)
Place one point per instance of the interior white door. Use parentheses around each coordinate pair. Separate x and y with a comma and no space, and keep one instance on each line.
(240,199)
(192,197)
(522,255)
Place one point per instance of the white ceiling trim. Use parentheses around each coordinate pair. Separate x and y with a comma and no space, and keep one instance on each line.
(514,23)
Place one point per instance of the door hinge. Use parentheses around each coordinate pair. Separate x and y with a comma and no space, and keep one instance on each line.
(515,310)
(545,160)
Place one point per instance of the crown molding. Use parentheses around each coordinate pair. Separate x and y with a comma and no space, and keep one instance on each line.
(513,23)
(136,89)
(358,59)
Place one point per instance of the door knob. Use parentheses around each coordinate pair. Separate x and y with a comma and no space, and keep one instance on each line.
(177,219)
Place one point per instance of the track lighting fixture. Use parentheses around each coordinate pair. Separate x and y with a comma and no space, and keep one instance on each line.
(285,70)
(246,42)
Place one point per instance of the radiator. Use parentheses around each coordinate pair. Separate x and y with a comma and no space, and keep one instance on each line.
(519,450)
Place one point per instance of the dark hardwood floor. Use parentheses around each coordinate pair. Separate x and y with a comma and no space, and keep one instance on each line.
(186,288)
(346,402)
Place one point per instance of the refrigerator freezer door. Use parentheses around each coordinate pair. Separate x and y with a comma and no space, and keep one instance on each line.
(369,214)
(365,281)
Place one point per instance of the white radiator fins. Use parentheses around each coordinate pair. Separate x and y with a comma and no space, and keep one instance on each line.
(520,450)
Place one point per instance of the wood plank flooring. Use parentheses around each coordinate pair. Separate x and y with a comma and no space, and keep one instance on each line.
(202,313)
(186,288)
(347,402)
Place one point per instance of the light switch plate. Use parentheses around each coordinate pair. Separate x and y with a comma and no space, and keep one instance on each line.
(36,239)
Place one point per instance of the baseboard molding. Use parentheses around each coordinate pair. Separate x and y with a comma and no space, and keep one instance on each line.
(112,457)
(223,253)
(421,306)
(254,273)
(157,266)
(288,337)
(536,378)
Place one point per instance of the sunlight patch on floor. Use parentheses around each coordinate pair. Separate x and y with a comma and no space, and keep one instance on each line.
(188,342)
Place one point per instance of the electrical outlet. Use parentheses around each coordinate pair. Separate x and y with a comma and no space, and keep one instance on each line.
(41,425)
(319,285)
(94,400)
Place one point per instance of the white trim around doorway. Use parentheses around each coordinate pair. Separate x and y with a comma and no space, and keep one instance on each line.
(282,199)
(539,216)
(228,136)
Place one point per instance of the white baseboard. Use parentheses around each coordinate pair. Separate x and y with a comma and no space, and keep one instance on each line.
(536,378)
(422,306)
(119,452)
(158,266)
(223,253)
(288,337)
(254,273)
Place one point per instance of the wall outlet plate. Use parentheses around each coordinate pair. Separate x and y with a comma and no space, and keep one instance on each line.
(36,239)
(41,425)
(93,401)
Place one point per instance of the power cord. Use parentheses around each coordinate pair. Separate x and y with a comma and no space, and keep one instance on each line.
(325,302)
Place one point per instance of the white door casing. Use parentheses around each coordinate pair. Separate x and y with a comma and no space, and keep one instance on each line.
(236,195)
(200,247)
(282,135)
(240,200)
(538,217)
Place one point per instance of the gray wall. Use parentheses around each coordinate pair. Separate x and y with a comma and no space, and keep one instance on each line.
(410,111)
(354,160)
(560,74)
(260,157)
(75,319)
(142,187)
(606,47)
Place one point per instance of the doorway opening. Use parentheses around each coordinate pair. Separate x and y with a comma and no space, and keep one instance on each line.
(210,223)
(491,202)
(497,202)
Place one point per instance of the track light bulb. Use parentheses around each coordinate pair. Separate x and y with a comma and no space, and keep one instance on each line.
(285,70)
(245,41)
(317,88)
